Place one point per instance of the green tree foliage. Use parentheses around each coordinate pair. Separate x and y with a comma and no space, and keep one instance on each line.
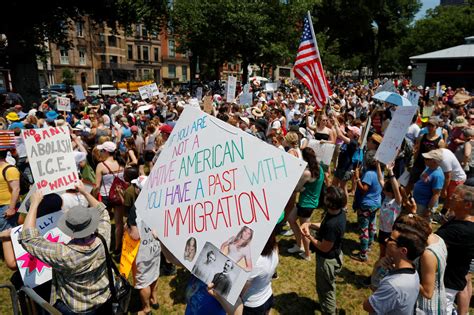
(442,27)
(68,77)
(27,25)
(258,31)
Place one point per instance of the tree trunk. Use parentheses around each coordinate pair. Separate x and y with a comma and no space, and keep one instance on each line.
(245,71)
(24,69)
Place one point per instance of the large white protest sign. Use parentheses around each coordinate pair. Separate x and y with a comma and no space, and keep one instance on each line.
(438,89)
(365,132)
(324,151)
(78,92)
(246,99)
(51,158)
(395,133)
(194,102)
(215,183)
(270,87)
(63,104)
(427,111)
(413,97)
(148,91)
(231,87)
(33,271)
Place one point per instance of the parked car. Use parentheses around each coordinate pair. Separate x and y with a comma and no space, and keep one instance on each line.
(60,87)
(104,89)
(45,93)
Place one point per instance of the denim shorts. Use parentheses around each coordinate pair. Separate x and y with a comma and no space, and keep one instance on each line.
(7,223)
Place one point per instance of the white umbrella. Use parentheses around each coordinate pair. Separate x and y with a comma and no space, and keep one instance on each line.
(259,79)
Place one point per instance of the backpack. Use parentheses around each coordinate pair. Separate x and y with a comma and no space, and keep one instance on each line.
(24,181)
(117,183)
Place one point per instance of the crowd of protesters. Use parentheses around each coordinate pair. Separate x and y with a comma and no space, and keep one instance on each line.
(425,222)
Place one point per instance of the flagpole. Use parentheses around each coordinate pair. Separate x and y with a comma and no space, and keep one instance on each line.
(319,53)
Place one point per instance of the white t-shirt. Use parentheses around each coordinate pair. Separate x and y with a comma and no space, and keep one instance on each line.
(451,164)
(413,132)
(261,276)
(71,200)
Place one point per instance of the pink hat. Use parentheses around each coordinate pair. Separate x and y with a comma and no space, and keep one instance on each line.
(355,130)
(134,128)
(108,146)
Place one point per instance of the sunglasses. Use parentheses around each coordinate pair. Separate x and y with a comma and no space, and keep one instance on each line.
(390,239)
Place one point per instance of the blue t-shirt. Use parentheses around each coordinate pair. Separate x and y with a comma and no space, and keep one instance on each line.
(16,124)
(199,302)
(429,180)
(373,197)
(424,130)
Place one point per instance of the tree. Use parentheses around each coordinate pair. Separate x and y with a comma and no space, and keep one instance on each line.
(442,27)
(68,77)
(26,35)
(258,31)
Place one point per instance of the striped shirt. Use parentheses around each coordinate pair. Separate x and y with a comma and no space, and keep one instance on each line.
(79,271)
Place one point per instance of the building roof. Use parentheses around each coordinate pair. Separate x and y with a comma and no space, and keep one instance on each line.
(461,51)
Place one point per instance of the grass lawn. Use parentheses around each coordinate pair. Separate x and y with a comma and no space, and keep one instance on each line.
(294,291)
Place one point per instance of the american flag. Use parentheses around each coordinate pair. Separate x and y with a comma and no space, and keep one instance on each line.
(308,67)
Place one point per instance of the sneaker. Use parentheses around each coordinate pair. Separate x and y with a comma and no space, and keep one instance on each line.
(303,255)
(295,249)
(360,257)
(275,276)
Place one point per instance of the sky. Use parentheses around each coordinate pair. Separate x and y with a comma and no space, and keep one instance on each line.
(427,4)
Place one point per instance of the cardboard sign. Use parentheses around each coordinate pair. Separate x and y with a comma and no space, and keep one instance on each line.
(78,92)
(427,111)
(231,87)
(129,252)
(199,93)
(413,97)
(63,104)
(207,104)
(51,158)
(396,131)
(324,151)
(216,183)
(365,133)
(148,91)
(33,271)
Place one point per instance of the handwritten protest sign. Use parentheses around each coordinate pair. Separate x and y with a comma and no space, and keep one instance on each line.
(33,271)
(395,133)
(78,92)
(231,87)
(387,86)
(148,91)
(270,87)
(51,158)
(427,111)
(129,252)
(413,97)
(215,183)
(438,89)
(199,93)
(64,104)
(246,99)
(324,151)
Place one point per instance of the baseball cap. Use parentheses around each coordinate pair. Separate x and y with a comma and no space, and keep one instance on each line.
(436,155)
(354,130)
(134,128)
(108,146)
(140,181)
(166,129)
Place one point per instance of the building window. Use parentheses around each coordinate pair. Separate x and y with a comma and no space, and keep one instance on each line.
(156,53)
(171,48)
(147,74)
(171,71)
(102,58)
(80,29)
(139,53)
(137,30)
(82,56)
(146,56)
(144,32)
(184,73)
(112,41)
(113,59)
(64,60)
(101,40)
(130,52)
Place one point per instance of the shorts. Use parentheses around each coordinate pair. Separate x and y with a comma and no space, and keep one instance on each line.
(262,309)
(383,236)
(7,223)
(452,187)
(304,212)
(343,175)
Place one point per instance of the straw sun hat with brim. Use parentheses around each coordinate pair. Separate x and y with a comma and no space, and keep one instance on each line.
(79,222)
(257,112)
(460,121)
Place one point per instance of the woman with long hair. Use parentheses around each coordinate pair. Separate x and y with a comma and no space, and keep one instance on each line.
(309,187)
(132,152)
(238,247)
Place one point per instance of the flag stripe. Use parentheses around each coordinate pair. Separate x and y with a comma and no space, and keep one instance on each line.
(308,68)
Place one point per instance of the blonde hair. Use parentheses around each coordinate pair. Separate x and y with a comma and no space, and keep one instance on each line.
(292,138)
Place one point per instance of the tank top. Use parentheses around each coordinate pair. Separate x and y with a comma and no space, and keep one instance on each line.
(438,300)
(426,146)
(107,180)
(150,144)
(309,197)
(321,136)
